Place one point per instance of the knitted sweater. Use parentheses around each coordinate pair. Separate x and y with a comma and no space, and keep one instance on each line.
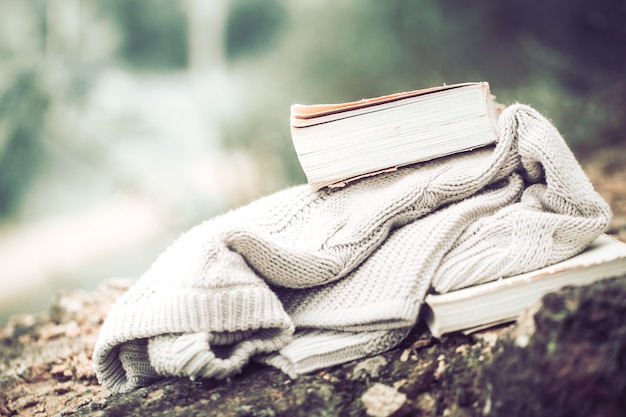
(302,280)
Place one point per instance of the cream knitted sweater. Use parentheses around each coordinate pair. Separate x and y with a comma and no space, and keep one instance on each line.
(303,280)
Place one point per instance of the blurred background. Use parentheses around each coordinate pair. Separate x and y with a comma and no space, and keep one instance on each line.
(125,122)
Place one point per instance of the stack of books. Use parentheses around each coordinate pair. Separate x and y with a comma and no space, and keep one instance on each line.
(340,143)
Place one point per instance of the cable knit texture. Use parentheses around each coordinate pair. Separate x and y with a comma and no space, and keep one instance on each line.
(302,280)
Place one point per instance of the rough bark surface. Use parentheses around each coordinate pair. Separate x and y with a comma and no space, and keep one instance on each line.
(568,359)
(575,362)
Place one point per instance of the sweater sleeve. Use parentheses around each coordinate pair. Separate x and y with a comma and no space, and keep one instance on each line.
(558,214)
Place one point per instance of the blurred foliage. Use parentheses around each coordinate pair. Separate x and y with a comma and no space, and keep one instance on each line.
(252,26)
(153,32)
(22,108)
(581,47)
(587,39)
(23,102)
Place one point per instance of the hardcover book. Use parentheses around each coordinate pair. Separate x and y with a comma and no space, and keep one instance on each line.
(339,143)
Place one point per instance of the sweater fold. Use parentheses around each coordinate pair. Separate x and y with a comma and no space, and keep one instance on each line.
(302,280)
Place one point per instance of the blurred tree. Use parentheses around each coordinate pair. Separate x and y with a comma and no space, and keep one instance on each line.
(252,26)
(206,23)
(153,32)
(22,108)
(23,98)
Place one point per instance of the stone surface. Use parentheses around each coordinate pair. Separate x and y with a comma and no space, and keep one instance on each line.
(381,400)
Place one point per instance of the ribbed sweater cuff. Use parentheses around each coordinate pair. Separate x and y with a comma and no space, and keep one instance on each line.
(184,311)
